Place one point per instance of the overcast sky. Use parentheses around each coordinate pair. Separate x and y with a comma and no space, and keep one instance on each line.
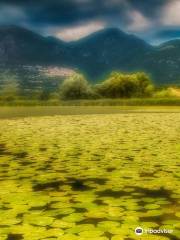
(153,20)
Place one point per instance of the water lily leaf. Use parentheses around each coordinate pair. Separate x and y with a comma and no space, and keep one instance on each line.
(177,214)
(74,217)
(69,237)
(62,224)
(91,233)
(152,206)
(38,220)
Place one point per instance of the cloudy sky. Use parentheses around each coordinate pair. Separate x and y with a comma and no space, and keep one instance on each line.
(153,20)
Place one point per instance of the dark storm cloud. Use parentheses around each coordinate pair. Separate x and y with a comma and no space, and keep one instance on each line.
(71,11)
(137,16)
(46,12)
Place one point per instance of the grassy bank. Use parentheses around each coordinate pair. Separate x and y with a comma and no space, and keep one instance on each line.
(7,112)
(97,102)
(126,102)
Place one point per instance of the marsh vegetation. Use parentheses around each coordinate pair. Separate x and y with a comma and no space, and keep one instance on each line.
(89,177)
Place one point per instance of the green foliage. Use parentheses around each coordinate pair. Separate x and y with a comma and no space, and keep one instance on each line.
(75,87)
(118,89)
(171,92)
(120,85)
(163,93)
(9,89)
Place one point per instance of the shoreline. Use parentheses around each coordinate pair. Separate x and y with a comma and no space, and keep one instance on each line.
(39,111)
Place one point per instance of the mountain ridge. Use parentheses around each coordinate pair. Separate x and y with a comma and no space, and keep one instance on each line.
(95,55)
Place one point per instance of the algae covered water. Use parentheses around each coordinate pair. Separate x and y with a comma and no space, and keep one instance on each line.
(90,177)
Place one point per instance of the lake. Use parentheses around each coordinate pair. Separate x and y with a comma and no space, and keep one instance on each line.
(94,175)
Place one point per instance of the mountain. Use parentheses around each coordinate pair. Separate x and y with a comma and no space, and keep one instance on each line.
(95,55)
(21,46)
(164,63)
(108,50)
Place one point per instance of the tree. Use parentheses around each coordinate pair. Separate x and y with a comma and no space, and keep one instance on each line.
(144,85)
(120,85)
(75,87)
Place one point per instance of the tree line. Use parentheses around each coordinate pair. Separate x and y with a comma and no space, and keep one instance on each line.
(115,85)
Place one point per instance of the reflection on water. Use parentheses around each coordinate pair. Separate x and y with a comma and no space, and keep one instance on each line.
(89,177)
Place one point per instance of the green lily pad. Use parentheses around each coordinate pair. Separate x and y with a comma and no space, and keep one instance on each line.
(38,220)
(177,214)
(74,217)
(62,224)
(69,237)
(91,233)
(152,206)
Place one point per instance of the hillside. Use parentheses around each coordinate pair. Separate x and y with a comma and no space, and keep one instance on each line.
(164,63)
(95,55)
(108,50)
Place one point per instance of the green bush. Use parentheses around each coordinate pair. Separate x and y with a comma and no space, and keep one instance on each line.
(171,92)
(120,85)
(76,87)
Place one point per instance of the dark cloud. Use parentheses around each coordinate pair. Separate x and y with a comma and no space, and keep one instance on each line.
(71,11)
(41,14)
